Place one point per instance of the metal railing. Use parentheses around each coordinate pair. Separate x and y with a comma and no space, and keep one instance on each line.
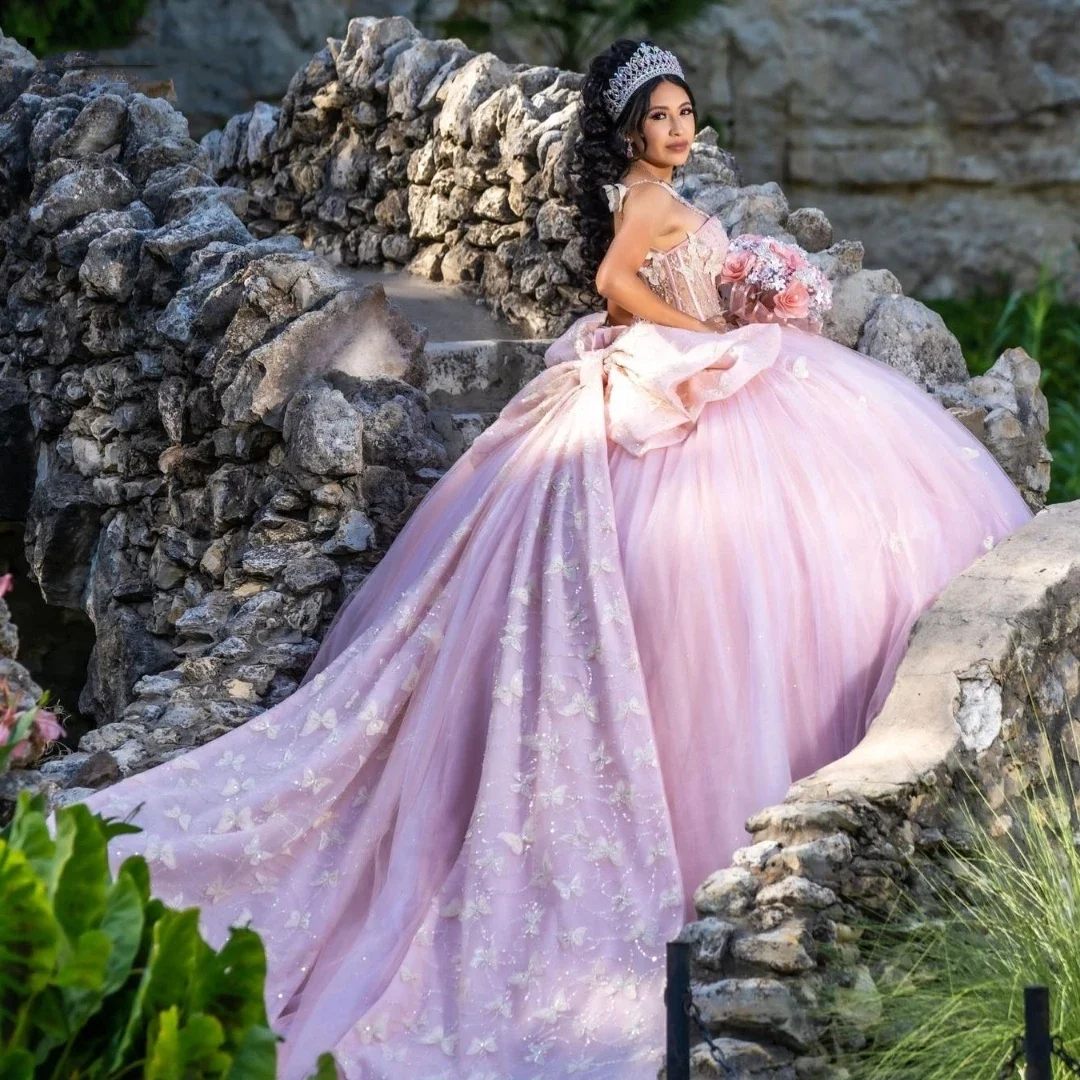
(681,1009)
(1037,1048)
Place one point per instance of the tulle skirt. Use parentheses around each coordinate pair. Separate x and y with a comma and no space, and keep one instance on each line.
(677,573)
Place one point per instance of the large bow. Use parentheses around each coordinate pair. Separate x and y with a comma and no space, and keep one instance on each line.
(657,379)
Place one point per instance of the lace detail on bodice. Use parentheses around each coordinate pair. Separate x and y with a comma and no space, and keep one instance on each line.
(685,275)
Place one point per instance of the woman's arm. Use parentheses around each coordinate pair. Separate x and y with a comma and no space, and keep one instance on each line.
(617,276)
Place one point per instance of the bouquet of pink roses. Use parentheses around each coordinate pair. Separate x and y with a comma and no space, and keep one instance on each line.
(766,280)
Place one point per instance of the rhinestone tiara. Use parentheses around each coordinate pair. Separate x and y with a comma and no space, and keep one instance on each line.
(647,62)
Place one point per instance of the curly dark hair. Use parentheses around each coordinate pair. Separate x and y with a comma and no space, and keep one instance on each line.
(600,152)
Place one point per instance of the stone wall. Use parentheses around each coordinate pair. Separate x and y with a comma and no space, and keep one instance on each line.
(939,132)
(985,694)
(221,434)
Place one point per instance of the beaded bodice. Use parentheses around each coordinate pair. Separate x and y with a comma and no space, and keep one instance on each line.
(685,275)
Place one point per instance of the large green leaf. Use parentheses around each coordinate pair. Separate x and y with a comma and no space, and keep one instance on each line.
(123,922)
(28,935)
(30,835)
(128,1040)
(256,1056)
(135,867)
(173,959)
(81,975)
(201,1039)
(82,876)
(82,966)
(232,983)
(49,1019)
(163,1060)
(25,804)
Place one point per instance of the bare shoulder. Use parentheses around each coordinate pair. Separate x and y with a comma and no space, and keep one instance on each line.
(644,200)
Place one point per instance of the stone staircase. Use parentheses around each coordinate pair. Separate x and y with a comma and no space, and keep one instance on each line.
(470,381)
(476,362)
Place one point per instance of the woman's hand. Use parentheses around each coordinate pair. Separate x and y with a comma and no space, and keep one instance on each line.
(715,324)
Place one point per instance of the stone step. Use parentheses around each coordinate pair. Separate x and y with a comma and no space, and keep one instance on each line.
(481,375)
(469,382)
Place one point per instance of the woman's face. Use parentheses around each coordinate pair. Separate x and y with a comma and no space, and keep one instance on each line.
(668,127)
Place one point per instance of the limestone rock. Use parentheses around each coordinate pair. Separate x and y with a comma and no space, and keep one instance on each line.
(783,950)
(149,121)
(471,84)
(356,332)
(16,66)
(726,892)
(811,228)
(755,1005)
(314,573)
(323,432)
(175,243)
(757,208)
(111,266)
(910,337)
(78,193)
(795,892)
(355,533)
(854,298)
(100,125)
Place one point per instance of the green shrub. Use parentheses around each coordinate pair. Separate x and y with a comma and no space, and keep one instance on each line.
(99,981)
(1047,329)
(951,967)
(570,31)
(48,26)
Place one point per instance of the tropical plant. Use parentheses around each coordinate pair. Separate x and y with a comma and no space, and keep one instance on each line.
(49,26)
(1048,329)
(569,32)
(98,981)
(951,967)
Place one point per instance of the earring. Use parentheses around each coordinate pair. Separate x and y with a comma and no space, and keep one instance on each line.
(629,147)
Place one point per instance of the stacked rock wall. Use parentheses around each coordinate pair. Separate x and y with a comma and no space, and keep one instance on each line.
(935,131)
(222,433)
(938,132)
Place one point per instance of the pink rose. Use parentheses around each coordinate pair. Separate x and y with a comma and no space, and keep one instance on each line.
(7,583)
(793,302)
(737,266)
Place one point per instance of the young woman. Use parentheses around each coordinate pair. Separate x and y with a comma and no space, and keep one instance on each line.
(677,572)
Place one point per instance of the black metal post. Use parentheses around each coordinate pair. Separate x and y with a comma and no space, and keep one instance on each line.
(678,1020)
(1037,1032)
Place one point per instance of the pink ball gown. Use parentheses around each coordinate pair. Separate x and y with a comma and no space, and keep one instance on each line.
(676,573)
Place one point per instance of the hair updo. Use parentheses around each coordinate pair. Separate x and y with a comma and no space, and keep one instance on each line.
(600,153)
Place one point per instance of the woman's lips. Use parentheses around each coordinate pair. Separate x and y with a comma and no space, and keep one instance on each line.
(678,146)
